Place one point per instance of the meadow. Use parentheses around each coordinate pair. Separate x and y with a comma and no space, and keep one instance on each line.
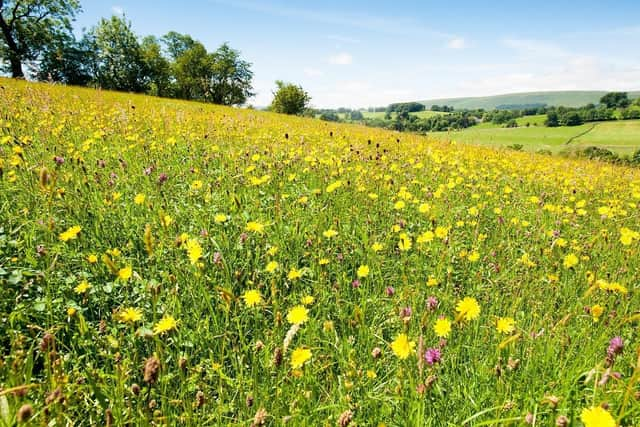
(619,136)
(167,262)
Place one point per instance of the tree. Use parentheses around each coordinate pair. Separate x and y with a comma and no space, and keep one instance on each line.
(230,80)
(552,119)
(119,60)
(289,99)
(28,27)
(616,100)
(157,67)
(177,44)
(67,61)
(192,71)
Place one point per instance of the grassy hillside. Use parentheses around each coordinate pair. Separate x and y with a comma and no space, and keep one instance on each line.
(565,98)
(173,263)
(622,136)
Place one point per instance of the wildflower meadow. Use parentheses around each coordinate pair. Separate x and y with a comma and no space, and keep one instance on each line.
(166,262)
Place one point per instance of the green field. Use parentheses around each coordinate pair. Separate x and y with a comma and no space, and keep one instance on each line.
(565,98)
(623,137)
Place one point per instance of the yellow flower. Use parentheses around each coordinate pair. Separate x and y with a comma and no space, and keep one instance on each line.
(272,250)
(424,208)
(329,233)
(139,199)
(334,186)
(425,237)
(70,234)
(166,324)
(442,327)
(299,357)
(399,205)
(82,287)
(307,300)
(294,274)
(165,220)
(571,260)
(596,416)
(125,273)
(405,242)
(252,298)
(255,227)
(194,250)
(130,315)
(363,271)
(468,308)
(377,247)
(220,218)
(71,311)
(323,261)
(441,232)
(196,185)
(596,312)
(506,325)
(271,267)
(473,256)
(298,315)
(92,259)
(432,281)
(402,347)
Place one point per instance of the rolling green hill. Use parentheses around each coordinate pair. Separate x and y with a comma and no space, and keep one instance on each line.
(565,98)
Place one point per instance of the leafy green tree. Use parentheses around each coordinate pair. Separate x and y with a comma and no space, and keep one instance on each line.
(157,67)
(192,71)
(616,100)
(552,119)
(29,27)
(176,44)
(289,99)
(230,81)
(119,60)
(67,61)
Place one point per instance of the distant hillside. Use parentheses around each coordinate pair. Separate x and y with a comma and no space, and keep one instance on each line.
(565,98)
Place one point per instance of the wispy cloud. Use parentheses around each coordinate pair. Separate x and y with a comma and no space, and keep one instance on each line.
(343,39)
(380,24)
(118,10)
(312,72)
(342,58)
(456,43)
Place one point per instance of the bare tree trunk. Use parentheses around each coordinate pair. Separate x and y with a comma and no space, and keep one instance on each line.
(14,57)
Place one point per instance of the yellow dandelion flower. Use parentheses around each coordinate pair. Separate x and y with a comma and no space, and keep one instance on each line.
(82,287)
(294,274)
(92,259)
(139,199)
(333,186)
(194,250)
(271,266)
(255,227)
(596,312)
(405,242)
(377,247)
(505,325)
(442,327)
(70,234)
(307,300)
(166,324)
(298,315)
(402,347)
(299,357)
(596,416)
(220,218)
(363,271)
(441,232)
(329,233)
(571,260)
(252,298)
(130,315)
(468,308)
(125,273)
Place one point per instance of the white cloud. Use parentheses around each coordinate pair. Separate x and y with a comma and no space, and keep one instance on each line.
(118,10)
(457,43)
(343,58)
(312,72)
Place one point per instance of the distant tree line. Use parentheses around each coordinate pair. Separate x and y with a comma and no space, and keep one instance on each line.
(612,106)
(37,34)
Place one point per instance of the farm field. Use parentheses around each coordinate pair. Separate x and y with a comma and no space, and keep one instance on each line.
(622,136)
(166,262)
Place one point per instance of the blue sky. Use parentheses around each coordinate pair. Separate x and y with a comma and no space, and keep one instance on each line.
(370,53)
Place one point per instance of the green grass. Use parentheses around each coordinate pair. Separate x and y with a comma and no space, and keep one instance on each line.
(120,212)
(622,137)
